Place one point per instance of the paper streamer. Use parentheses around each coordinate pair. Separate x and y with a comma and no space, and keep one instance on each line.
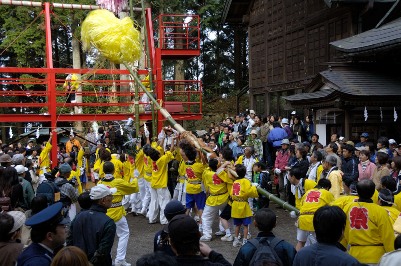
(365,114)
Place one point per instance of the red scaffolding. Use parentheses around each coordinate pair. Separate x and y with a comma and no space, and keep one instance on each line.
(178,37)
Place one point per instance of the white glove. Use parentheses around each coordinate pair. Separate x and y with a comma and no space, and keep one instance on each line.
(255,184)
(277,171)
(147,133)
(293,214)
(136,173)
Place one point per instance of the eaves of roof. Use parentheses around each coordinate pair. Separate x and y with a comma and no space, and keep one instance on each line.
(388,35)
(350,83)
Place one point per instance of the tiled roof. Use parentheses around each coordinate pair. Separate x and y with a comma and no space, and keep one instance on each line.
(353,82)
(360,82)
(309,96)
(388,35)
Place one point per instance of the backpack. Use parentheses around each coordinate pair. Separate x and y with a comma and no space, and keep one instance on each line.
(50,190)
(265,253)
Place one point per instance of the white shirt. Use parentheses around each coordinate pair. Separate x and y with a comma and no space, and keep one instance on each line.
(248,163)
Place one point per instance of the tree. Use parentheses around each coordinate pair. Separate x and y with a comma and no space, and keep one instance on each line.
(216,63)
(22,36)
(217,50)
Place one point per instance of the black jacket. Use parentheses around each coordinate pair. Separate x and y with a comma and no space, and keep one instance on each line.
(93,231)
(350,168)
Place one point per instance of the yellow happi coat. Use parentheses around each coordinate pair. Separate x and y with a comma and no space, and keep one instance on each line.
(308,185)
(393,213)
(215,186)
(123,188)
(139,163)
(368,232)
(128,169)
(241,190)
(118,166)
(160,171)
(181,172)
(397,201)
(336,181)
(193,177)
(311,202)
(343,201)
(44,159)
(78,173)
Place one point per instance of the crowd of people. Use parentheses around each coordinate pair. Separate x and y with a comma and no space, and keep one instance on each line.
(347,195)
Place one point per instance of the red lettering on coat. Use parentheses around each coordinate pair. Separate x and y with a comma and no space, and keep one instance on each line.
(236,189)
(313,196)
(217,180)
(190,173)
(358,218)
(155,168)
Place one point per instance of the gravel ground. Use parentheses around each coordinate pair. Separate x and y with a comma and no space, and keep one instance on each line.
(142,234)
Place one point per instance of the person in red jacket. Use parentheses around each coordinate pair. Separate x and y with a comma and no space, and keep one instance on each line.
(281,162)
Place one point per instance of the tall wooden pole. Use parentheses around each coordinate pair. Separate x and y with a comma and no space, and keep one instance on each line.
(150,67)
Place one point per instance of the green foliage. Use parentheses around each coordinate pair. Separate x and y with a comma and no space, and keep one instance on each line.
(22,36)
(22,42)
(217,50)
(215,66)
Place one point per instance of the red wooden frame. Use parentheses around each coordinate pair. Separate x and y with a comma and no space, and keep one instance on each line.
(190,101)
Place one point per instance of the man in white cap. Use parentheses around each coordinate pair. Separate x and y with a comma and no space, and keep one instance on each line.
(256,143)
(29,194)
(251,121)
(10,233)
(293,113)
(99,229)
(287,128)
(392,144)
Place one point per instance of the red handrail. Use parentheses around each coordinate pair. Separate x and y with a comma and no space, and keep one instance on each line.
(179,32)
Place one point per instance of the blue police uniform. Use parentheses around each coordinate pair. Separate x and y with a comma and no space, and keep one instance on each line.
(36,253)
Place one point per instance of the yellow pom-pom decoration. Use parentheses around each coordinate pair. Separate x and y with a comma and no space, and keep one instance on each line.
(116,39)
(146,82)
(71,82)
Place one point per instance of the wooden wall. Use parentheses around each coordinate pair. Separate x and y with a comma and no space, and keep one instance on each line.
(289,41)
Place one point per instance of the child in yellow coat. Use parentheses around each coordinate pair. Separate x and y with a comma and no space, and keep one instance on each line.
(241,190)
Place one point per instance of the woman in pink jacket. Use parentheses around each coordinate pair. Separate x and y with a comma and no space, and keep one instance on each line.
(280,165)
(365,166)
